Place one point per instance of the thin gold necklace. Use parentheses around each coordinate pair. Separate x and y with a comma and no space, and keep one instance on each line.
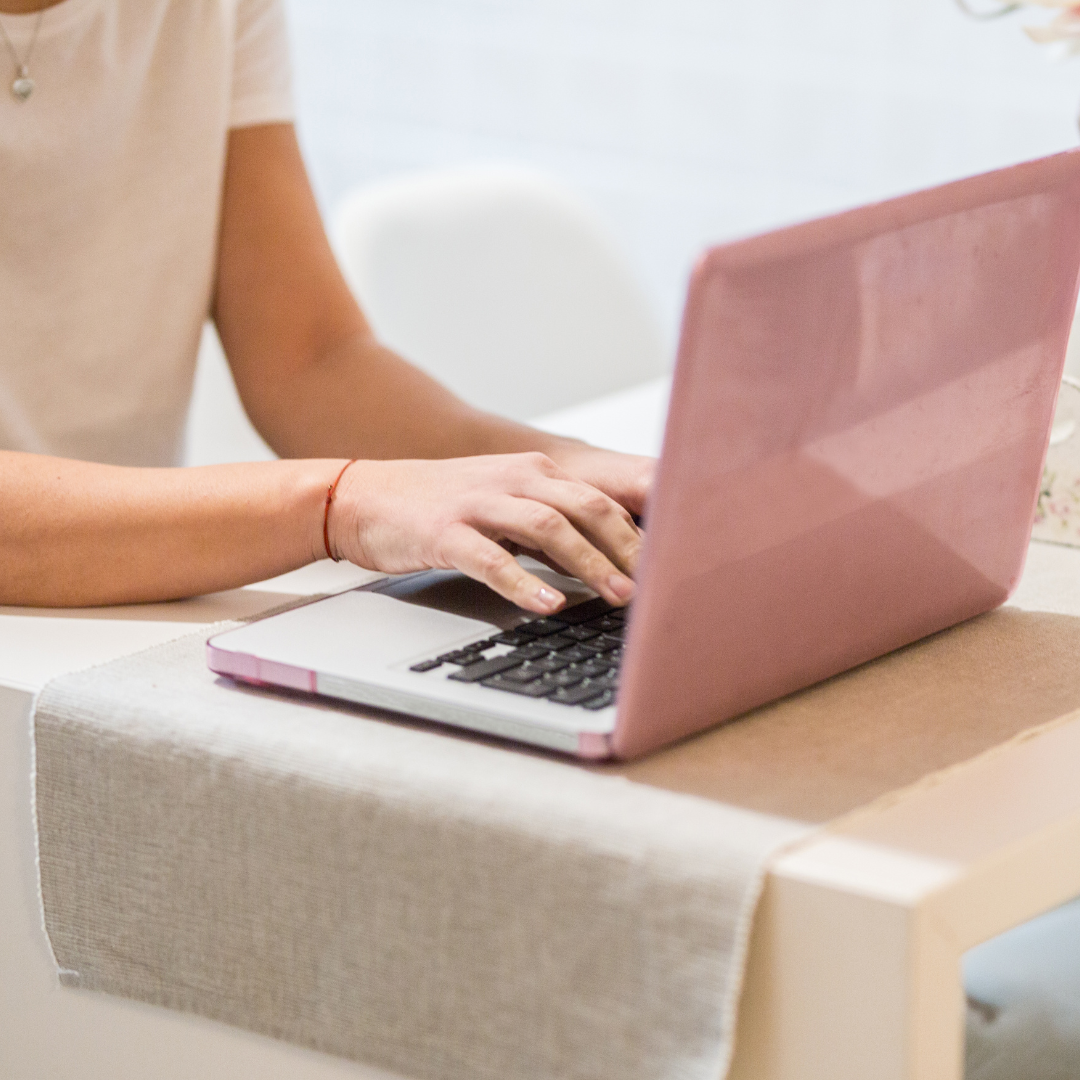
(23,86)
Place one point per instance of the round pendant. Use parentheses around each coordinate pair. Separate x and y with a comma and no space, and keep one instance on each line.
(22,87)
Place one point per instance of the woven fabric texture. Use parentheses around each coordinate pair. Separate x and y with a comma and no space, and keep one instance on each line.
(427,903)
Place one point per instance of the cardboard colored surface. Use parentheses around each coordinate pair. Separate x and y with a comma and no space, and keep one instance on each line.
(843,743)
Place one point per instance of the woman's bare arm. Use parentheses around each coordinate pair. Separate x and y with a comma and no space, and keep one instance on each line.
(75,533)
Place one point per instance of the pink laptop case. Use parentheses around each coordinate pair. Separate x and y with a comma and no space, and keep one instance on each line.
(858,423)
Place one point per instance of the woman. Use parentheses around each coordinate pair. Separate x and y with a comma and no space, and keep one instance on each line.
(150,176)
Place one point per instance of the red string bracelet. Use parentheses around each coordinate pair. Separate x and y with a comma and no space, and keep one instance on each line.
(330,492)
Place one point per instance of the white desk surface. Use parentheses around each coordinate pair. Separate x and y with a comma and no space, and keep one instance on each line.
(854,968)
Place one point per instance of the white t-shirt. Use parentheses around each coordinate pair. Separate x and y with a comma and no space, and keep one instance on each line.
(110,192)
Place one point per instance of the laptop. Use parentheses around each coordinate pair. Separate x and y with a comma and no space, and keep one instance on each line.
(859,416)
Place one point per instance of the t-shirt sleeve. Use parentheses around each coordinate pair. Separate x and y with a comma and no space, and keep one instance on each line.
(262,73)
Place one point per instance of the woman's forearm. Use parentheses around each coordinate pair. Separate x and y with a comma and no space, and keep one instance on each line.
(359,399)
(77,534)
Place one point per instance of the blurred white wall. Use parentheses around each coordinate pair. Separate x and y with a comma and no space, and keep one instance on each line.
(681,121)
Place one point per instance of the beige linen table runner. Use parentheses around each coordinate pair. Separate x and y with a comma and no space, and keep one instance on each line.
(425,903)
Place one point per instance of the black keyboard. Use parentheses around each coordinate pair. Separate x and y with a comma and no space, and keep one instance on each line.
(571,658)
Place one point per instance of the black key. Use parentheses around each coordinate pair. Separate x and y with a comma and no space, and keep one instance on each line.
(602,702)
(485,669)
(607,682)
(533,651)
(593,669)
(524,674)
(537,689)
(608,626)
(579,633)
(511,637)
(575,695)
(567,677)
(610,641)
(594,647)
(540,627)
(426,665)
(556,642)
(475,647)
(576,655)
(459,656)
(550,663)
(580,613)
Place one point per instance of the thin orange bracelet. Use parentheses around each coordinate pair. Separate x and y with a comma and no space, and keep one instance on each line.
(331,491)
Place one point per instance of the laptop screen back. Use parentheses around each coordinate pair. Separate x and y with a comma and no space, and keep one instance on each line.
(859,417)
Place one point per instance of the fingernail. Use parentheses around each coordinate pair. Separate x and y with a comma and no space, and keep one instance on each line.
(621,586)
(551,600)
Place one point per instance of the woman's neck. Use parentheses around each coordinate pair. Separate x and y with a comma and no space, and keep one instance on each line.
(24,7)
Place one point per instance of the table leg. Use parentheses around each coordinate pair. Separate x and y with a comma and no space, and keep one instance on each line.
(851,975)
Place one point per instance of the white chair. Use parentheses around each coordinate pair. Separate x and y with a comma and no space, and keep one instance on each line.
(502,285)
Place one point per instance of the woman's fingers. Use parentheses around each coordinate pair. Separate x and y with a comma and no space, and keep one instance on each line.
(481,558)
(599,518)
(541,527)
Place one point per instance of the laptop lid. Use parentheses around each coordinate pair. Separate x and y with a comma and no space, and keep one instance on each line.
(859,417)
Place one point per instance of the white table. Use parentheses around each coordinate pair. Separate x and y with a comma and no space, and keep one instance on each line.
(855,961)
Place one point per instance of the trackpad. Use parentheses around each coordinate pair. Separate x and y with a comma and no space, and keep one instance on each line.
(352,632)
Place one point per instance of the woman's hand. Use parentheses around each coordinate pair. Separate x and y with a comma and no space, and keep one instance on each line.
(626,478)
(474,514)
